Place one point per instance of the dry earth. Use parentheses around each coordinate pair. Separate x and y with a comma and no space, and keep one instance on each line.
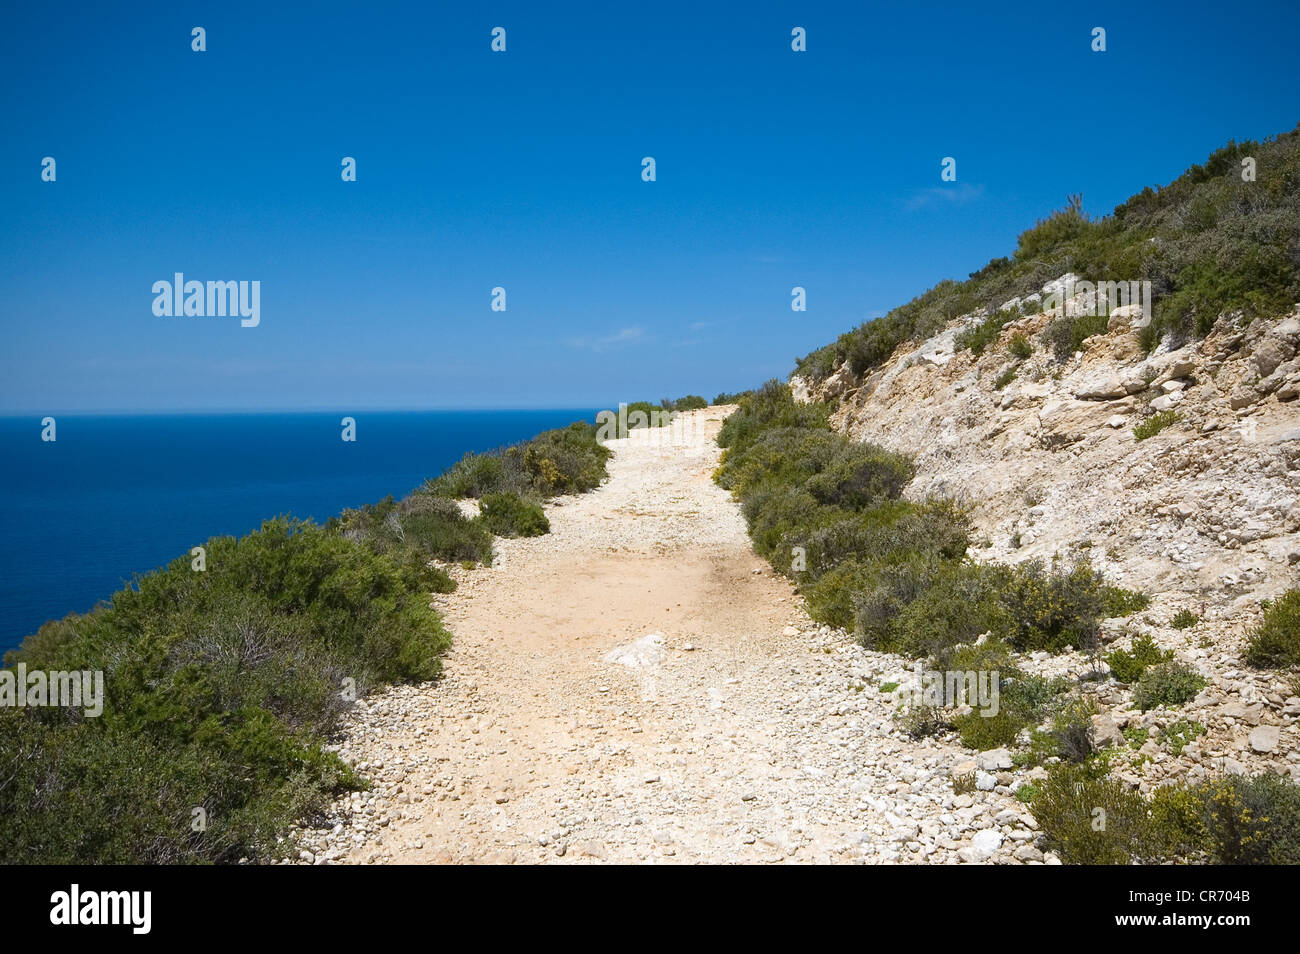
(638,686)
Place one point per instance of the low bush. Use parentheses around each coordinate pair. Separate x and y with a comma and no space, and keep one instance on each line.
(1054,607)
(1128,665)
(1167,684)
(1276,640)
(1251,820)
(1019,346)
(510,515)
(566,460)
(1089,818)
(221,689)
(982,731)
(1178,734)
(920,722)
(1066,335)
(692,402)
(1156,423)
(725,398)
(979,336)
(1184,619)
(422,525)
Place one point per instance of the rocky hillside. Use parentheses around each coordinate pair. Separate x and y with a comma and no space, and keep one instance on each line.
(1203,514)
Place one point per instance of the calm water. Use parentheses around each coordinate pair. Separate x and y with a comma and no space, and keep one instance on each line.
(114,496)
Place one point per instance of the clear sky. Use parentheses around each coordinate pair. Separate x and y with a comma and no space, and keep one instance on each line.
(522,169)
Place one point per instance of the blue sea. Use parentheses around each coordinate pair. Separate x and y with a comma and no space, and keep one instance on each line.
(113,496)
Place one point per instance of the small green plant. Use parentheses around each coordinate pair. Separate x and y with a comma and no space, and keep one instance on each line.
(1019,346)
(1176,735)
(888,686)
(1136,736)
(1128,666)
(1167,684)
(1005,378)
(922,721)
(1027,793)
(1276,640)
(963,784)
(1156,423)
(980,336)
(1184,619)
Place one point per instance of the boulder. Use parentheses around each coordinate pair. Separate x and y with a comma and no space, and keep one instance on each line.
(1264,738)
(1101,386)
(1104,732)
(1167,402)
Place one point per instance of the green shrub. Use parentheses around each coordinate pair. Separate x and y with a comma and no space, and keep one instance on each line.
(1066,335)
(957,604)
(919,722)
(1019,346)
(1022,702)
(1128,666)
(692,402)
(1056,608)
(1178,734)
(1089,818)
(991,655)
(1117,601)
(428,526)
(770,406)
(1251,820)
(1276,640)
(964,784)
(980,336)
(1233,819)
(1167,684)
(477,474)
(831,537)
(221,689)
(645,414)
(510,515)
(1070,730)
(860,475)
(1184,619)
(984,732)
(566,460)
(1156,423)
(1005,378)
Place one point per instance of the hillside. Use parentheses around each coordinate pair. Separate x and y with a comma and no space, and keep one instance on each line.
(1154,442)
(1222,239)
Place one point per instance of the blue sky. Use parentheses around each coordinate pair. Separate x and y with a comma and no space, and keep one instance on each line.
(522,170)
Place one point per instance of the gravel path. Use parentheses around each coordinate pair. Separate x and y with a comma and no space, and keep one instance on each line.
(638,685)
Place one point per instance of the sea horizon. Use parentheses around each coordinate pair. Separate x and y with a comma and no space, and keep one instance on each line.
(121,494)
